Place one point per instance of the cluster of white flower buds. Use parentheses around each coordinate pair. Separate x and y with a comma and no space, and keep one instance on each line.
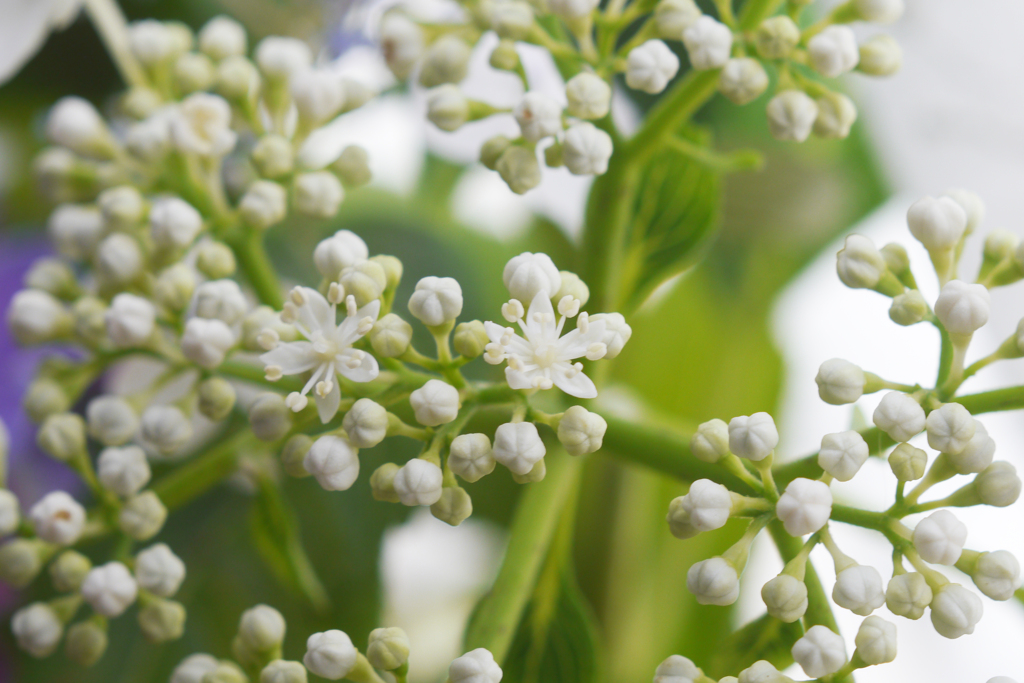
(804,506)
(588,42)
(331,655)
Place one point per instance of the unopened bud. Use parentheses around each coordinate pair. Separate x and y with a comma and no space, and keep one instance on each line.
(162,620)
(69,570)
(672,17)
(447,107)
(21,560)
(318,194)
(446,61)
(382,483)
(365,281)
(388,648)
(264,204)
(519,169)
(216,398)
(908,308)
(907,462)
(470,338)
(777,37)
(45,397)
(269,417)
(390,336)
(142,516)
(786,598)
(86,643)
(880,56)
(581,431)
(353,166)
(261,629)
(166,429)
(62,436)
(294,453)
(998,484)
(453,507)
(174,287)
(492,149)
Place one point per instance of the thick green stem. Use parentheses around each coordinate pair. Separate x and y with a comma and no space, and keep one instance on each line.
(257,268)
(195,478)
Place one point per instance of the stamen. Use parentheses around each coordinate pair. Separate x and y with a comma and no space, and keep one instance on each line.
(583,323)
(365,325)
(297,296)
(513,310)
(569,306)
(350,305)
(596,351)
(274,373)
(336,293)
(268,339)
(296,401)
(289,313)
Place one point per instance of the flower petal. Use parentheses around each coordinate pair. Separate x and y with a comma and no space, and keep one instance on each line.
(518,379)
(328,407)
(366,372)
(315,314)
(578,385)
(575,344)
(494,331)
(541,305)
(293,357)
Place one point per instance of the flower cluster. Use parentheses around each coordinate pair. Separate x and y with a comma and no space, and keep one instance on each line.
(801,504)
(593,44)
(331,655)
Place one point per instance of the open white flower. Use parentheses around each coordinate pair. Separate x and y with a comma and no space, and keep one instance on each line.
(544,357)
(326,349)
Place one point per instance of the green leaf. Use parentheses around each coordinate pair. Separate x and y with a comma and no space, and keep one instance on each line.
(275,533)
(765,638)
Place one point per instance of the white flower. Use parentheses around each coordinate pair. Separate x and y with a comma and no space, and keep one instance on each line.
(477,666)
(820,652)
(118,259)
(843,454)
(366,423)
(538,116)
(221,300)
(859,263)
(222,37)
(589,96)
(955,611)
(879,11)
(418,482)
(37,628)
(318,194)
(206,341)
(586,149)
(58,518)
(805,506)
(281,58)
(74,123)
(341,250)
(202,126)
(908,595)
(650,66)
(840,382)
(129,320)
(939,538)
(743,80)
(707,505)
(711,441)
(708,43)
(963,308)
(150,140)
(977,454)
(876,641)
(435,403)
(401,42)
(761,672)
(123,470)
(859,589)
(10,513)
(75,230)
(174,223)
(330,654)
(333,462)
(318,95)
(165,428)
(151,41)
(713,582)
(159,570)
(110,589)
(264,204)
(518,446)
(447,107)
(471,457)
(581,431)
(677,669)
(997,574)
(950,428)
(791,115)
(834,51)
(998,484)
(35,316)
(527,274)
(899,416)
(261,628)
(785,597)
(543,357)
(938,224)
(753,437)
(436,301)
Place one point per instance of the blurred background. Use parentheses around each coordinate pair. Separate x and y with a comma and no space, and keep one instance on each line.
(744,331)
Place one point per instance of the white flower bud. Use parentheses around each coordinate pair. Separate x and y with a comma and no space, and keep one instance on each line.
(401,42)
(110,589)
(366,423)
(908,308)
(222,37)
(159,570)
(677,669)
(122,207)
(820,652)
(836,116)
(330,654)
(708,43)
(589,96)
(194,72)
(341,250)
(470,456)
(879,11)
(880,56)
(938,224)
(743,80)
(581,431)
(161,620)
(69,570)
(672,17)
(436,301)
(539,117)
(455,506)
(130,320)
(118,259)
(215,260)
(35,317)
(977,454)
(142,516)
(273,156)
(899,416)
(518,446)
(45,397)
(907,462)
(707,505)
(527,274)
(282,671)
(237,79)
(151,41)
(365,281)
(478,666)
(447,107)
(388,648)
(75,230)
(908,595)
(939,538)
(512,19)
(264,204)
(859,589)
(470,339)
(713,582)
(834,51)
(225,672)
(123,470)
(616,332)
(678,519)
(261,629)
(519,168)
(174,223)
(221,299)
(150,140)
(318,194)
(62,436)
(963,308)
(174,287)
(21,560)
(753,437)
(38,629)
(165,428)
(955,611)
(761,672)
(202,126)
(572,286)
(390,336)
(842,455)
(74,123)
(1000,244)
(971,203)
(58,518)
(206,342)
(997,574)
(950,428)
(785,597)
(318,95)
(10,513)
(353,166)
(711,441)
(435,403)
(418,482)
(650,66)
(446,61)
(333,462)
(572,9)
(586,149)
(791,115)
(998,485)
(876,641)
(280,57)
(805,506)
(777,37)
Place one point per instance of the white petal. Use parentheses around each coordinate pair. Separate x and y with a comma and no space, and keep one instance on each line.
(293,357)
(371,309)
(328,407)
(541,304)
(366,372)
(315,314)
(518,379)
(579,386)
(574,344)
(494,331)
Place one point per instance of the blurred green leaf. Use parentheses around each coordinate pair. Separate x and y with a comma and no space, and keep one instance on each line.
(765,638)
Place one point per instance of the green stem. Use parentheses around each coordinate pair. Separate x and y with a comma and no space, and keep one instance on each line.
(756,11)
(743,160)
(818,609)
(257,268)
(110,24)
(195,478)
